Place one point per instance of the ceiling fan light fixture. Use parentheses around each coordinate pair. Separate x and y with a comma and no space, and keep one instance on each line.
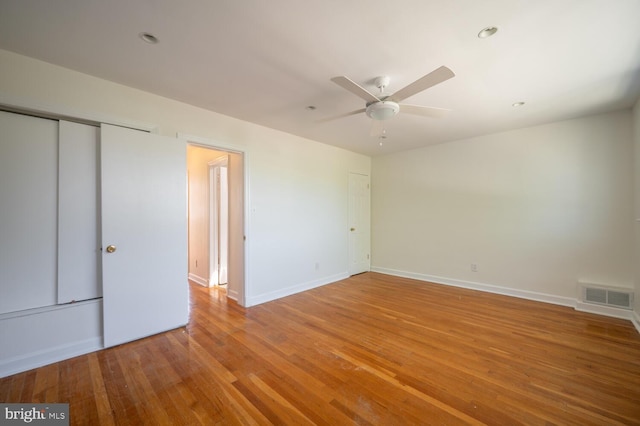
(382,110)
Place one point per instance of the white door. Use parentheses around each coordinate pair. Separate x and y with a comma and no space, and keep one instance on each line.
(28,212)
(218,221)
(359,224)
(223,225)
(144,226)
(79,257)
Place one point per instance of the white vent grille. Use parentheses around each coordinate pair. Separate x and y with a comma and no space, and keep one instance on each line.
(595,295)
(617,298)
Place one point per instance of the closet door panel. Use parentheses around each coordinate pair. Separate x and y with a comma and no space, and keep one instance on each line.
(78,214)
(143,188)
(28,211)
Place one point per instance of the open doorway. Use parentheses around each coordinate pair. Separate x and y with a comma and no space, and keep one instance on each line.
(215,179)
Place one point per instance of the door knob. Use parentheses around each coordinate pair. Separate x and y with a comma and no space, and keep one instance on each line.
(353,229)
(111,249)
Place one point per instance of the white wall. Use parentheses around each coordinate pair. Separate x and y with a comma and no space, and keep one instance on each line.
(636,193)
(537,209)
(299,208)
(297,187)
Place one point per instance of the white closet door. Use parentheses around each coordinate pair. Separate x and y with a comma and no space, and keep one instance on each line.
(78,213)
(144,215)
(28,211)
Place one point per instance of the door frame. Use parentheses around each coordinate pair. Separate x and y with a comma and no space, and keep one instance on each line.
(202,142)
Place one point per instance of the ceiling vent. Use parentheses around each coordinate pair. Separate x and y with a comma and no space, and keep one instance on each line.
(608,296)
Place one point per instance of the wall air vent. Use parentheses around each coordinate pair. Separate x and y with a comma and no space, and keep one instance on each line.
(614,297)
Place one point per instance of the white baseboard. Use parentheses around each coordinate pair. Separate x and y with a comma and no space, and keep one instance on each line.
(199,280)
(635,320)
(604,310)
(49,356)
(232,294)
(522,294)
(273,295)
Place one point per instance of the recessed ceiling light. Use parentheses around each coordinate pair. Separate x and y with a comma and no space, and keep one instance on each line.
(148,38)
(517,104)
(487,32)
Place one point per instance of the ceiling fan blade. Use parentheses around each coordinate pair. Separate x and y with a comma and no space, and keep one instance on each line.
(424,111)
(346,114)
(434,77)
(354,88)
(377,128)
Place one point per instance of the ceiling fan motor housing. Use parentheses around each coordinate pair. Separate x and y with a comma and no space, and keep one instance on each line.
(382,110)
(382,82)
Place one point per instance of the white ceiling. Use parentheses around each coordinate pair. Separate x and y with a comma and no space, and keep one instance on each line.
(266,61)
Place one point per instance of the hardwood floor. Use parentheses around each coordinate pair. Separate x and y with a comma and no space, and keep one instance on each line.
(372,349)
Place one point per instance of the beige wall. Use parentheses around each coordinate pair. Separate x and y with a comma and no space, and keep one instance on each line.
(296,214)
(536,209)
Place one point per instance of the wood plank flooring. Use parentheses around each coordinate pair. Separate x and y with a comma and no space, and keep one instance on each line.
(372,349)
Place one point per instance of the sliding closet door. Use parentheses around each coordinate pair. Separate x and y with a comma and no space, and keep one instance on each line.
(28,213)
(78,213)
(144,234)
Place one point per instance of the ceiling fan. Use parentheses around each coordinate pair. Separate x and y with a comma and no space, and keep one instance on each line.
(384,107)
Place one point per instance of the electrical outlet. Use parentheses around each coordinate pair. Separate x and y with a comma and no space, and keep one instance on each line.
(317,266)
(474,267)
